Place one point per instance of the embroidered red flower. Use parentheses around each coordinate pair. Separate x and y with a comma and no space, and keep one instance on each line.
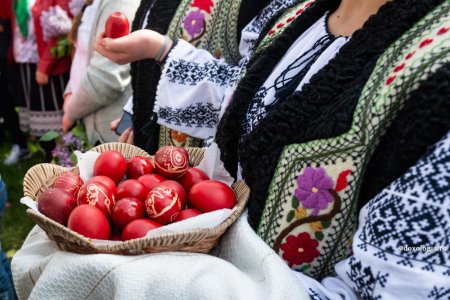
(410,54)
(341,182)
(399,68)
(308,4)
(280,25)
(290,19)
(390,79)
(443,30)
(299,249)
(271,32)
(299,11)
(425,42)
(203,5)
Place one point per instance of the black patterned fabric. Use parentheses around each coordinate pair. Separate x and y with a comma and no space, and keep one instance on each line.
(191,73)
(197,115)
(402,248)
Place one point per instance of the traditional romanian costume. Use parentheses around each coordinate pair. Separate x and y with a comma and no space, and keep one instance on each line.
(318,130)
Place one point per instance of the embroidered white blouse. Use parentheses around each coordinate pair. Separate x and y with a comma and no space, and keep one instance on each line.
(195,88)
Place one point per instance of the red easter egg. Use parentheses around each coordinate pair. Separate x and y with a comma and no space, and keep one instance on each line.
(191,177)
(163,205)
(132,188)
(138,166)
(126,210)
(89,221)
(68,181)
(111,164)
(98,195)
(178,188)
(108,182)
(171,162)
(210,195)
(138,228)
(151,181)
(117,25)
(56,204)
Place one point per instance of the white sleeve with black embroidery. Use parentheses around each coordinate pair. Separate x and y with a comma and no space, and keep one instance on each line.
(195,87)
(191,90)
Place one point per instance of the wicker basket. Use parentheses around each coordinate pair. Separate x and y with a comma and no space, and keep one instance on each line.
(41,176)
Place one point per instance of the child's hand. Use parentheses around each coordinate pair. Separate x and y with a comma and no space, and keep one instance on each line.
(140,44)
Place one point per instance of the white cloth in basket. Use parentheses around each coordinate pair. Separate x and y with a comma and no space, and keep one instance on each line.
(243,267)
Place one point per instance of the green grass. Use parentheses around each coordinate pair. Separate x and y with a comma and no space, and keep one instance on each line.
(15,224)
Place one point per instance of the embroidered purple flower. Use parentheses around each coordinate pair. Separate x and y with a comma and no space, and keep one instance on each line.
(313,189)
(194,22)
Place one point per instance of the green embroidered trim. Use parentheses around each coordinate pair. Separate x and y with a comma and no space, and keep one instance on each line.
(420,51)
(283,22)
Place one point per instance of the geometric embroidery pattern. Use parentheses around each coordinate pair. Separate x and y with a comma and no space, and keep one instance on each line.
(190,73)
(195,115)
(406,229)
(411,213)
(315,295)
(365,282)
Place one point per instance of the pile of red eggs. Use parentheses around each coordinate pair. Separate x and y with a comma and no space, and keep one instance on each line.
(126,199)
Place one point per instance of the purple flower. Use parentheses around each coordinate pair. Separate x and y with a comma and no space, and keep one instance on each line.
(313,189)
(194,22)
(71,141)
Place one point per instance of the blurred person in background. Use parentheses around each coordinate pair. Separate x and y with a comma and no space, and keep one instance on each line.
(43,62)
(7,102)
(7,291)
(98,88)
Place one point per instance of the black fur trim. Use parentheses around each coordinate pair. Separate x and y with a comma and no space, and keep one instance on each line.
(323,109)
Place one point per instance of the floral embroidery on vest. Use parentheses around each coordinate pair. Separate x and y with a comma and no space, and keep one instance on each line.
(194,23)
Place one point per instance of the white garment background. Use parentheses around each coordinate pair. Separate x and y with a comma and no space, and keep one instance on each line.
(238,270)
(81,60)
